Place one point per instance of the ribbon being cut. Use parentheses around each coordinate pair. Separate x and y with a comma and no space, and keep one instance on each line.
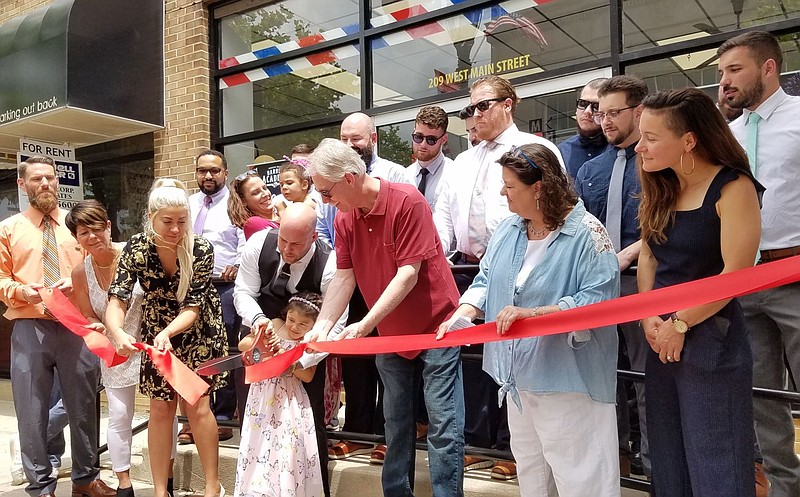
(185,382)
(621,310)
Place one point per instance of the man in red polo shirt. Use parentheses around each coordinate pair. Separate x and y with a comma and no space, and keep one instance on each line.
(386,243)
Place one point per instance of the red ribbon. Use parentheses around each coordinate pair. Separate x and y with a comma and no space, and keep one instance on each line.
(610,312)
(185,382)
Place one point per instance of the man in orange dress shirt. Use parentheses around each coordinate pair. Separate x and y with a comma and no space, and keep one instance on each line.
(40,346)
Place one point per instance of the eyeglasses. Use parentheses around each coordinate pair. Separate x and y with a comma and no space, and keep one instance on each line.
(246,174)
(583,104)
(328,193)
(429,139)
(215,171)
(598,116)
(483,105)
(517,152)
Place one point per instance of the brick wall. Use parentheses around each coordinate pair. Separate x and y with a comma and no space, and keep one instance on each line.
(187,90)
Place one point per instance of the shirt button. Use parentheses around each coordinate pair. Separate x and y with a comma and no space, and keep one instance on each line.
(369,229)
(590,184)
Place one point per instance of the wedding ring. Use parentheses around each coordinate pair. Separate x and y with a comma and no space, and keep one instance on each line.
(669,357)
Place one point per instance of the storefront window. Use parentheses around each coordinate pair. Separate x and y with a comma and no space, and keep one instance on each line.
(389,11)
(284,26)
(303,89)
(649,23)
(511,39)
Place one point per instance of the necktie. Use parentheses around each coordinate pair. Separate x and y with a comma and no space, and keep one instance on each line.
(50,271)
(282,281)
(200,222)
(477,235)
(424,181)
(751,146)
(614,203)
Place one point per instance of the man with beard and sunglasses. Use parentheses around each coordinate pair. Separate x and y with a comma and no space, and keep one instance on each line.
(769,130)
(38,251)
(590,141)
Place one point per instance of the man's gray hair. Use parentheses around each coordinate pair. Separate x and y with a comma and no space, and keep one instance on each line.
(332,159)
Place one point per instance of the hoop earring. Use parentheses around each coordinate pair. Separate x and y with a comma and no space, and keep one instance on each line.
(693,165)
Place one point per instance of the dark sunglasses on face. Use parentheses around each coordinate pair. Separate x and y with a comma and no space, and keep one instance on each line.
(483,105)
(246,174)
(429,139)
(583,104)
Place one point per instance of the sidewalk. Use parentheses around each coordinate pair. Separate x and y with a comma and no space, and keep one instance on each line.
(354,476)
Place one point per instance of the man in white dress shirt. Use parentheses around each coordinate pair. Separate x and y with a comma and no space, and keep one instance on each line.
(428,139)
(769,130)
(210,220)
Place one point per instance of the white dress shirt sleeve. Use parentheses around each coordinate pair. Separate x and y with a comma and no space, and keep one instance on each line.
(247,287)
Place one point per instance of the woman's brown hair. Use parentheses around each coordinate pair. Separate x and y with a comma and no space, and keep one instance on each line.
(89,213)
(238,212)
(688,110)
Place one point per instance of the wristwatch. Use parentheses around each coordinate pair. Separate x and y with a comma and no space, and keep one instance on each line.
(680,325)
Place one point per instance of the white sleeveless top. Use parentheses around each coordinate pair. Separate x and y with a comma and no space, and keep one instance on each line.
(127,373)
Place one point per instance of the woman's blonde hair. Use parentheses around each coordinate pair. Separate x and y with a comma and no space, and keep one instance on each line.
(166,193)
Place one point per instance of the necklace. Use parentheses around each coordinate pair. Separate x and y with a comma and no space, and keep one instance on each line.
(113,260)
(533,231)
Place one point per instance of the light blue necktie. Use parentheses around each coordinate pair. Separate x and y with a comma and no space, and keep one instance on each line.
(751,146)
(614,203)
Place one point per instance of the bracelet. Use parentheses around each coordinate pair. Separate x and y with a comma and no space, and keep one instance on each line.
(536,311)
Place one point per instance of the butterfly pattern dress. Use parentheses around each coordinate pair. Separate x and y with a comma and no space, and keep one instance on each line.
(278,453)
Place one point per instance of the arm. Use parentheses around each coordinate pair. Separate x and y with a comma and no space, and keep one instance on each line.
(248,281)
(394,293)
(740,232)
(645,280)
(443,219)
(325,214)
(12,292)
(337,298)
(304,375)
(629,254)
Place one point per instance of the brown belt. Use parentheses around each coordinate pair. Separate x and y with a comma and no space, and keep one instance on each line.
(777,254)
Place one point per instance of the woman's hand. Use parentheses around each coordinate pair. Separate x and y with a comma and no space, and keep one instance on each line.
(124,343)
(669,342)
(509,314)
(161,341)
(650,329)
(98,326)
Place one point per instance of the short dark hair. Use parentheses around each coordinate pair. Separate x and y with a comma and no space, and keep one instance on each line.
(635,88)
(558,195)
(36,159)
(215,154)
(301,148)
(432,116)
(763,46)
(89,213)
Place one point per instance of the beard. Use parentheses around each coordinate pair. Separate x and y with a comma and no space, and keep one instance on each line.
(210,191)
(44,202)
(365,154)
(747,97)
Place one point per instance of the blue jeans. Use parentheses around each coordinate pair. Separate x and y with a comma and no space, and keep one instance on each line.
(444,398)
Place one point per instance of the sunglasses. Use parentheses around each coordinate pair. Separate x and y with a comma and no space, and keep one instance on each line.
(517,152)
(483,105)
(429,139)
(246,174)
(583,104)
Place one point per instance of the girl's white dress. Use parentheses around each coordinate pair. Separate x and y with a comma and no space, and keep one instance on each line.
(278,452)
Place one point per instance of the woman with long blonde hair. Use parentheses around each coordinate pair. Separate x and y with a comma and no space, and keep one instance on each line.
(181,313)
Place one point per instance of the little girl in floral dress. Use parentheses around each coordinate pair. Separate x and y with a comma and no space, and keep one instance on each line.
(278,450)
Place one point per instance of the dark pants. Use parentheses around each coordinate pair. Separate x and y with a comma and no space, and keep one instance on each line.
(39,348)
(224,400)
(485,423)
(361,382)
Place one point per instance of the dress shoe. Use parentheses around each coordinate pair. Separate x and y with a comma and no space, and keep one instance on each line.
(125,492)
(225,433)
(637,466)
(422,430)
(762,484)
(185,436)
(94,489)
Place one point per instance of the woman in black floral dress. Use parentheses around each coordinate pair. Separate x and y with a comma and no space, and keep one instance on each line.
(182,313)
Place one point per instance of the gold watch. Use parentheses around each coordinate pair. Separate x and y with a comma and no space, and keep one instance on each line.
(680,325)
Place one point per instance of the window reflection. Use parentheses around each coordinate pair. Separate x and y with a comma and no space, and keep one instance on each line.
(648,23)
(511,39)
(284,26)
(319,85)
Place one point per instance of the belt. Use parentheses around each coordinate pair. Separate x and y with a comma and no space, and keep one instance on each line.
(777,254)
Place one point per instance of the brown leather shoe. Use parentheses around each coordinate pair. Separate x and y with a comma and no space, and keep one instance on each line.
(94,489)
(762,484)
(225,433)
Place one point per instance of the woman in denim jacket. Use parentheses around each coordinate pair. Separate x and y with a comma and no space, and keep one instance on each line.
(550,256)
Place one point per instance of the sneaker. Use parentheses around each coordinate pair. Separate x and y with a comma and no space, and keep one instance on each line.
(504,470)
(344,449)
(18,477)
(17,474)
(472,463)
(378,455)
(54,473)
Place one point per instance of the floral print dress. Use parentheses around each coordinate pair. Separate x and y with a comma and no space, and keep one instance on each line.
(205,340)
(278,452)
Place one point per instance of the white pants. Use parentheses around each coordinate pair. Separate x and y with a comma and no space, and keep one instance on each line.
(121,404)
(565,445)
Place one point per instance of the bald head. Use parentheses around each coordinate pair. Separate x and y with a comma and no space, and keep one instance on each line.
(358,132)
(297,232)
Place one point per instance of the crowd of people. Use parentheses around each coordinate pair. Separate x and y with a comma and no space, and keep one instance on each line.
(655,190)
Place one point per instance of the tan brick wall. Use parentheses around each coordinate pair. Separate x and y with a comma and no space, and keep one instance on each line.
(187,90)
(13,8)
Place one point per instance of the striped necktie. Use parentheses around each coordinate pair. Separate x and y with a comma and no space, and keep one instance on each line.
(50,271)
